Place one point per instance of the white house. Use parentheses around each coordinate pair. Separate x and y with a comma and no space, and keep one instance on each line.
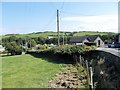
(89,38)
(2,48)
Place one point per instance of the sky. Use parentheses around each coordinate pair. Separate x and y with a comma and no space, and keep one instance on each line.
(28,17)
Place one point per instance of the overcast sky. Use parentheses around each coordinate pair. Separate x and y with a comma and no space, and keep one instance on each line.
(28,17)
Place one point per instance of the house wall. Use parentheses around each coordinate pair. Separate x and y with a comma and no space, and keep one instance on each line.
(85,41)
(2,48)
(101,42)
(78,43)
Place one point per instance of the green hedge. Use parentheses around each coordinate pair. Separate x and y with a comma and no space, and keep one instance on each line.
(65,53)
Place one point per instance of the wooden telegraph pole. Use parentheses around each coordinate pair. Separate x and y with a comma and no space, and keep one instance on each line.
(58,27)
(63,39)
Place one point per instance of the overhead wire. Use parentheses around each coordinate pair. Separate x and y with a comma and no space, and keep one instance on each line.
(64,12)
(53,18)
(50,22)
(60,12)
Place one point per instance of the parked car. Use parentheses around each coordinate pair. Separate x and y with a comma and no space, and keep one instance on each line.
(117,45)
(114,45)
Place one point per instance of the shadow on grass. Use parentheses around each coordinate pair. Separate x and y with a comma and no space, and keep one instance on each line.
(53,59)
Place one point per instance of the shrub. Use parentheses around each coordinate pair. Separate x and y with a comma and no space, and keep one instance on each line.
(41,47)
(13,48)
(67,53)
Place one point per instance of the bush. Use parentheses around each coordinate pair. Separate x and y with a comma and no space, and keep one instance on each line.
(13,48)
(41,47)
(66,52)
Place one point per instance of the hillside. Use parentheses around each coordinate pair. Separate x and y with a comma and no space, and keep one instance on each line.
(54,34)
(37,34)
(83,33)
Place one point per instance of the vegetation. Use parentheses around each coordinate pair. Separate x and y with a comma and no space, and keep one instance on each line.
(26,71)
(67,53)
(13,48)
(83,33)
(29,41)
(54,34)
(38,34)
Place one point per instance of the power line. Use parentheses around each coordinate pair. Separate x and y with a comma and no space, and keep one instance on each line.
(50,22)
(61,7)
(71,13)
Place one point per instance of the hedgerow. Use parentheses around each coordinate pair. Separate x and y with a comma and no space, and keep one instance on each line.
(65,53)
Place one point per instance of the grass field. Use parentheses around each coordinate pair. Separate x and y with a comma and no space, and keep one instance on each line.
(26,71)
(42,34)
(54,34)
(89,33)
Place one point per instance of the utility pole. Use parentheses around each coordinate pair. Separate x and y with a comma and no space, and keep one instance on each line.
(58,27)
(66,37)
(63,38)
(25,44)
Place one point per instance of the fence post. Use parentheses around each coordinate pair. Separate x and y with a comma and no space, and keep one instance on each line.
(87,68)
(80,60)
(91,79)
(83,63)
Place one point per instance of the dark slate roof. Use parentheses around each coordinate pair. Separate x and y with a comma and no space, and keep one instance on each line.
(92,37)
(80,39)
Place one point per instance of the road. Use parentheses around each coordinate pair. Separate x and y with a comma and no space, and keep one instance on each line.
(113,51)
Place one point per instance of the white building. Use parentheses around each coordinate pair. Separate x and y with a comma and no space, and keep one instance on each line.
(2,48)
(89,38)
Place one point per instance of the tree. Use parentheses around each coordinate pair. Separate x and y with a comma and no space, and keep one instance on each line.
(13,48)
(31,43)
(12,38)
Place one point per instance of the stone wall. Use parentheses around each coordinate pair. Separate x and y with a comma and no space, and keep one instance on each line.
(106,69)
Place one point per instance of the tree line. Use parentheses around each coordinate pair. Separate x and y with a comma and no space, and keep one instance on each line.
(15,45)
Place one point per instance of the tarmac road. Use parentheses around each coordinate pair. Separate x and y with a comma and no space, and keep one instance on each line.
(114,51)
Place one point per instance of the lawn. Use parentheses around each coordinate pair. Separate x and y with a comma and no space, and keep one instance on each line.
(26,71)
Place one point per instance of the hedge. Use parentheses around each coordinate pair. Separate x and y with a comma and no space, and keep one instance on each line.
(65,53)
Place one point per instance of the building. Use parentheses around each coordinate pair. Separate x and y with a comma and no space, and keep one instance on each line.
(2,48)
(49,37)
(86,39)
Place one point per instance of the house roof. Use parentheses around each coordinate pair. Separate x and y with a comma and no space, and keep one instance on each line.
(80,39)
(92,37)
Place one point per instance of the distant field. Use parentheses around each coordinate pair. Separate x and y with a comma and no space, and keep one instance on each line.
(26,71)
(54,34)
(89,33)
(42,34)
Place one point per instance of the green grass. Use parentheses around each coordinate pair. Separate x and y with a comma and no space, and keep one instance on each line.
(26,71)
(90,33)
(54,34)
(42,34)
